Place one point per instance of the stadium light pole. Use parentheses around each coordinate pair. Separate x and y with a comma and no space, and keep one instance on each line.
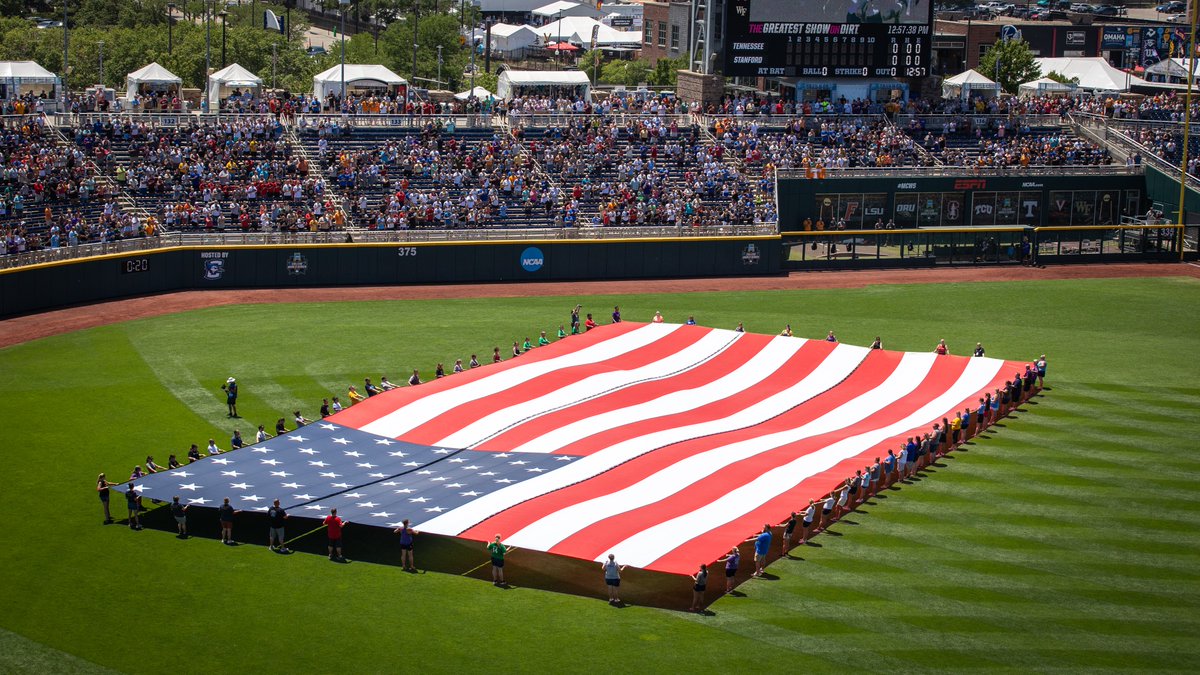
(439,69)
(207,46)
(170,28)
(66,54)
(416,25)
(342,28)
(223,14)
(100,44)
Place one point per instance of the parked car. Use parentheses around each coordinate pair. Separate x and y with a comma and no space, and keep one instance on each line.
(1108,10)
(316,50)
(1171,7)
(1178,18)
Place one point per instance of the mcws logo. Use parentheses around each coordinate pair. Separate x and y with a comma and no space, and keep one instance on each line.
(532,259)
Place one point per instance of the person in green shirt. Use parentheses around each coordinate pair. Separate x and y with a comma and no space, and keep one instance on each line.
(543,340)
(497,551)
(561,333)
(527,345)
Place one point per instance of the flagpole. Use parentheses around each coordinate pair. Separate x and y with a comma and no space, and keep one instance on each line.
(1187,128)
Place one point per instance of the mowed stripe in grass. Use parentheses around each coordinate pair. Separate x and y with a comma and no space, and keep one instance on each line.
(1066,540)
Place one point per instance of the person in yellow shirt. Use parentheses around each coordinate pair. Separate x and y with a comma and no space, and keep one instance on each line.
(355,397)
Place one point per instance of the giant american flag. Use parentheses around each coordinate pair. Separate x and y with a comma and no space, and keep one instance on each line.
(664,444)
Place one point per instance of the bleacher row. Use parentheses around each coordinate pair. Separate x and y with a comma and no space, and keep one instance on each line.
(124,179)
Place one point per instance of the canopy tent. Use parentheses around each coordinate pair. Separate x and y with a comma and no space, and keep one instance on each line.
(18,78)
(1044,86)
(1173,70)
(1094,73)
(360,79)
(567,83)
(152,77)
(509,6)
(964,85)
(508,38)
(225,81)
(562,47)
(479,93)
(566,8)
(578,31)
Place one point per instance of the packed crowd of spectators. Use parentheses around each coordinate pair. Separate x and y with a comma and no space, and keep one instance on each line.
(841,142)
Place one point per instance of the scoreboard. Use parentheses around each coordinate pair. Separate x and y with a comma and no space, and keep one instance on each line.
(828,38)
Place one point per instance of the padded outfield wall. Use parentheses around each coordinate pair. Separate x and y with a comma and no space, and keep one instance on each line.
(50,285)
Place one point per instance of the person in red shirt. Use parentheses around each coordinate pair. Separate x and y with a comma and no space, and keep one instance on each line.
(590,323)
(334,525)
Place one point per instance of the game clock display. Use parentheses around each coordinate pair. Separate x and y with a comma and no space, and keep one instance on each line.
(828,38)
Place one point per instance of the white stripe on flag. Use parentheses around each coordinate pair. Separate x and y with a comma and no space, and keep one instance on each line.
(651,544)
(833,369)
(601,384)
(426,408)
(542,535)
(758,368)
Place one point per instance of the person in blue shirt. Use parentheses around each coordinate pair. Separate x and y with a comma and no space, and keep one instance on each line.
(762,544)
(691,320)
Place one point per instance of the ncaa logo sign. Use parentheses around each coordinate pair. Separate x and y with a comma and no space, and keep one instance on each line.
(532,259)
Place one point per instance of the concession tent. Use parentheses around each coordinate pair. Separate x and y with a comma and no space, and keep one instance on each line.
(965,85)
(565,8)
(508,38)
(479,93)
(223,82)
(578,31)
(1173,70)
(1044,86)
(1094,73)
(18,78)
(565,83)
(151,78)
(360,79)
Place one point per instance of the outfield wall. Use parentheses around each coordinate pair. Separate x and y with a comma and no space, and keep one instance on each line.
(47,286)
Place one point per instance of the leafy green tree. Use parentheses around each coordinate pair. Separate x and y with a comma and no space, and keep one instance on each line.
(1016,64)
(1059,77)
(628,73)
(666,71)
(396,50)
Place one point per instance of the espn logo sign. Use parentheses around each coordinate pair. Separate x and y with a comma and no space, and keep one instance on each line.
(970,184)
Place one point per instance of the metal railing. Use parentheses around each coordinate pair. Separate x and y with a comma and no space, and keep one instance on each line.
(365,237)
(460,121)
(951,171)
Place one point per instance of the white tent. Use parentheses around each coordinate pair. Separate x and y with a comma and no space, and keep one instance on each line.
(509,38)
(578,31)
(1173,70)
(569,83)
(1044,86)
(222,83)
(359,79)
(964,85)
(152,77)
(479,93)
(1094,73)
(565,8)
(24,77)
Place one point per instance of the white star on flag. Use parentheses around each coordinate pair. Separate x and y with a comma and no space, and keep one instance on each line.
(391,483)
(318,463)
(442,451)
(367,505)
(291,486)
(189,486)
(328,427)
(341,441)
(353,495)
(563,458)
(271,462)
(502,454)
(264,449)
(252,498)
(298,439)
(340,485)
(418,500)
(487,473)
(470,468)
(304,497)
(222,461)
(472,493)
(377,475)
(259,508)
(309,451)
(412,464)
(198,500)
(424,472)
(518,463)
(352,453)
(435,509)
(400,524)
(182,474)
(231,474)
(330,474)
(364,465)
(280,474)
(383,441)
(404,491)
(503,480)
(398,454)
(457,460)
(240,486)
(453,485)
(314,507)
(535,470)
(439,478)
(382,514)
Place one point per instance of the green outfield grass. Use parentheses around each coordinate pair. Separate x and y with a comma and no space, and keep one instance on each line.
(1068,539)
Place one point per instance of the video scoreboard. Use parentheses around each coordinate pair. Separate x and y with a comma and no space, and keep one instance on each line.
(828,38)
